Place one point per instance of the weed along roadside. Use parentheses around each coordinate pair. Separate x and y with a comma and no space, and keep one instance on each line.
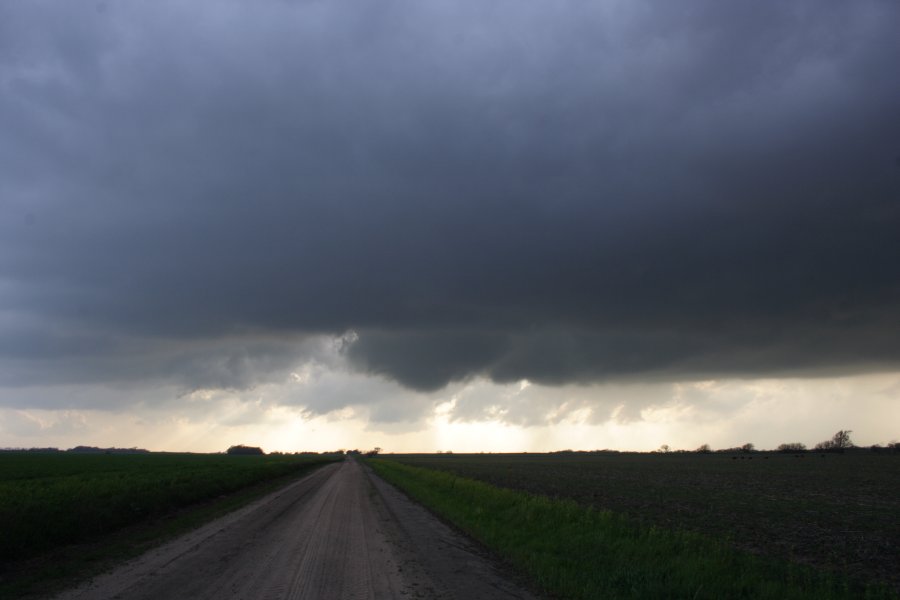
(572,551)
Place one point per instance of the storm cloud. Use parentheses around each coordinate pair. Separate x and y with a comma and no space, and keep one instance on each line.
(563,192)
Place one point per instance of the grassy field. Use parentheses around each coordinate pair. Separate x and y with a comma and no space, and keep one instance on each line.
(837,512)
(54,501)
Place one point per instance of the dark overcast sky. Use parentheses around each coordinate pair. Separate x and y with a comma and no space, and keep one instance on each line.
(564,192)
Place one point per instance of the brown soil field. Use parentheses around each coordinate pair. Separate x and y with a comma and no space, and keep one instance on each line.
(833,511)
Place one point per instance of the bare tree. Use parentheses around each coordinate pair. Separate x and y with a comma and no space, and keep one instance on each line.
(839,442)
(792,447)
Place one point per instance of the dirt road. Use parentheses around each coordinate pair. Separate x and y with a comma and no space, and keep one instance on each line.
(340,532)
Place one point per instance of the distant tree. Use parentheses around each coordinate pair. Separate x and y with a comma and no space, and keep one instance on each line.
(664,448)
(748,447)
(704,449)
(245,450)
(792,447)
(839,442)
(87,450)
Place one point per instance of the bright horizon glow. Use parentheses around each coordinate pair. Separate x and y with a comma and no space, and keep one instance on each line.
(684,415)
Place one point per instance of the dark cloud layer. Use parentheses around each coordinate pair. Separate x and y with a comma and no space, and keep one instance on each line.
(566,193)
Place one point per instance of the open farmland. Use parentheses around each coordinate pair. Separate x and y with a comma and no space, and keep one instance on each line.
(47,500)
(837,512)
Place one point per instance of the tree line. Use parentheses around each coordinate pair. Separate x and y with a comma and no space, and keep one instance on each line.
(840,442)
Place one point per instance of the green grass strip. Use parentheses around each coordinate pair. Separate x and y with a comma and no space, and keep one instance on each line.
(571,551)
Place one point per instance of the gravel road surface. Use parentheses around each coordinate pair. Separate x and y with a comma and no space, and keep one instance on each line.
(340,532)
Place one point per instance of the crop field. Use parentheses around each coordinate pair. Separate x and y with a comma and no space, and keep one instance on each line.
(48,500)
(837,512)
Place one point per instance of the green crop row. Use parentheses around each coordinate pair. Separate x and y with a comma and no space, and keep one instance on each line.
(50,500)
(573,551)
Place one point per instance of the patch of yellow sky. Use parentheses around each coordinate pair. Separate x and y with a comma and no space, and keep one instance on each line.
(720,413)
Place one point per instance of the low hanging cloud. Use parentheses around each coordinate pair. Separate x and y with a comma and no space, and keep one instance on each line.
(200,195)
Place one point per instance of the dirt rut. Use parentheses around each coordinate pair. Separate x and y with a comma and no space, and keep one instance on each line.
(340,532)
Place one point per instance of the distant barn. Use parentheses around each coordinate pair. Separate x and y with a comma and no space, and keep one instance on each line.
(241,449)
